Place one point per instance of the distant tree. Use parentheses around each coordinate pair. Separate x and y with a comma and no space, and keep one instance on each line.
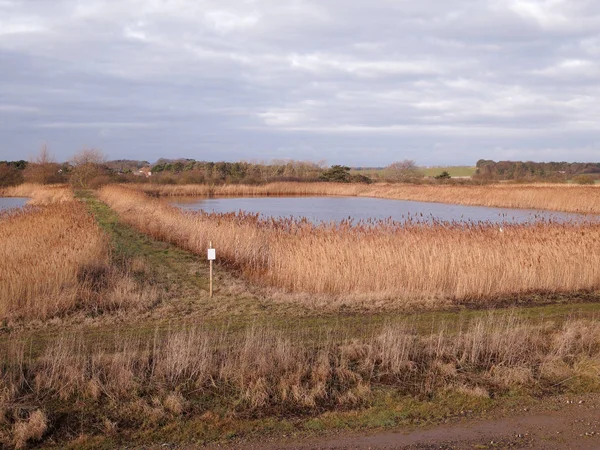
(336,173)
(87,164)
(10,175)
(584,179)
(445,175)
(43,168)
(20,164)
(360,178)
(403,171)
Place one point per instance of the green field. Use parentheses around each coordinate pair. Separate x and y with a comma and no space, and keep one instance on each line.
(454,171)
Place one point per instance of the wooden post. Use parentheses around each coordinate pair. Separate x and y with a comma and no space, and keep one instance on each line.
(211,273)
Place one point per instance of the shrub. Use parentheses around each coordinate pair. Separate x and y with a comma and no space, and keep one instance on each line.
(338,174)
(30,430)
(583,179)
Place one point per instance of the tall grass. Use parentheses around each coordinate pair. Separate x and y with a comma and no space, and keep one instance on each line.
(128,382)
(55,259)
(568,198)
(412,264)
(40,194)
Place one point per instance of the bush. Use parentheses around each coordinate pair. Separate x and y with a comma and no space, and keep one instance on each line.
(10,176)
(359,178)
(31,430)
(338,174)
(584,179)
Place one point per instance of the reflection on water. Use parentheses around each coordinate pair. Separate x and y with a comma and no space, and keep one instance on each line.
(12,202)
(328,209)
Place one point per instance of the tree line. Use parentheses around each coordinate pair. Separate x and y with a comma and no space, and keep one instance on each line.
(89,168)
(520,170)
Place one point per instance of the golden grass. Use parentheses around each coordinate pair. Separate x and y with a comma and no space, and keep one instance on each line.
(30,430)
(136,383)
(412,264)
(568,198)
(55,259)
(40,194)
(41,258)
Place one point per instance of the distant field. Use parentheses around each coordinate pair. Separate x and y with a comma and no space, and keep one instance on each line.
(454,171)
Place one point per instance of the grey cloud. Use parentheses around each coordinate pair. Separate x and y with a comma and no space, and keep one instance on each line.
(348,81)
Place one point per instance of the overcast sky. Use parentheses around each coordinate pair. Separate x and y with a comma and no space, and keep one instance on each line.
(346,81)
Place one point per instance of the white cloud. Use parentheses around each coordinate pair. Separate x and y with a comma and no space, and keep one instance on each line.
(322,63)
(227,21)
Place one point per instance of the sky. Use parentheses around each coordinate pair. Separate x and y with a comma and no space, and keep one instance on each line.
(361,83)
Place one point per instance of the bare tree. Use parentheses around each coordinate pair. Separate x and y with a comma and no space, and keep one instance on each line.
(87,164)
(44,156)
(43,168)
(403,171)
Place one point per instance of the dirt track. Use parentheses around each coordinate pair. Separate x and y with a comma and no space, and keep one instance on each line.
(561,423)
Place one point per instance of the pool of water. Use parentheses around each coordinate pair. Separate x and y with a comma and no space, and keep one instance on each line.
(328,209)
(12,202)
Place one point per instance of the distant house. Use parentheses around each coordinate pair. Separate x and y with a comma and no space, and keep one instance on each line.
(144,171)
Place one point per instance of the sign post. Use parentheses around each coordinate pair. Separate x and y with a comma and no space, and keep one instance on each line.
(212,255)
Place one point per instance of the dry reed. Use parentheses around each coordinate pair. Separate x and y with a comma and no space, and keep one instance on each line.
(568,198)
(55,259)
(409,263)
(40,194)
(263,371)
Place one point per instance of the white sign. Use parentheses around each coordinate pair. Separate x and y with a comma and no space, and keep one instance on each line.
(212,254)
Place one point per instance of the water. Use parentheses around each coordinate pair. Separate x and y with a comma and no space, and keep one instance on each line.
(12,202)
(328,209)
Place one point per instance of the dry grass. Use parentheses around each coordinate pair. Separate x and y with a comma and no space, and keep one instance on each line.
(261,371)
(31,429)
(40,194)
(55,259)
(412,264)
(569,198)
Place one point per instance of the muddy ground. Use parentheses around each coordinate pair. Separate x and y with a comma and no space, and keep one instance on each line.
(557,423)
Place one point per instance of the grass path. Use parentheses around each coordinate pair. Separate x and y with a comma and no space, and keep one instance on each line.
(183,277)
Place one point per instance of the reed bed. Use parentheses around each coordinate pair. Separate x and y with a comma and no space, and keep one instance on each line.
(568,198)
(131,382)
(414,264)
(40,194)
(55,259)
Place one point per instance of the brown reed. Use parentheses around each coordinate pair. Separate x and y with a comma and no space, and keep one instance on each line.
(414,264)
(40,194)
(559,197)
(55,259)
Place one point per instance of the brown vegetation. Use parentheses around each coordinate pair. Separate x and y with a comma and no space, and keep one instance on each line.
(40,194)
(568,198)
(55,259)
(43,169)
(32,429)
(412,264)
(129,381)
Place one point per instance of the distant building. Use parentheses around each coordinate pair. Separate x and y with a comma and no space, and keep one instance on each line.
(144,171)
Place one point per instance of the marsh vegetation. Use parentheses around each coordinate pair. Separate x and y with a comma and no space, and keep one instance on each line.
(403,265)
(559,197)
(108,334)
